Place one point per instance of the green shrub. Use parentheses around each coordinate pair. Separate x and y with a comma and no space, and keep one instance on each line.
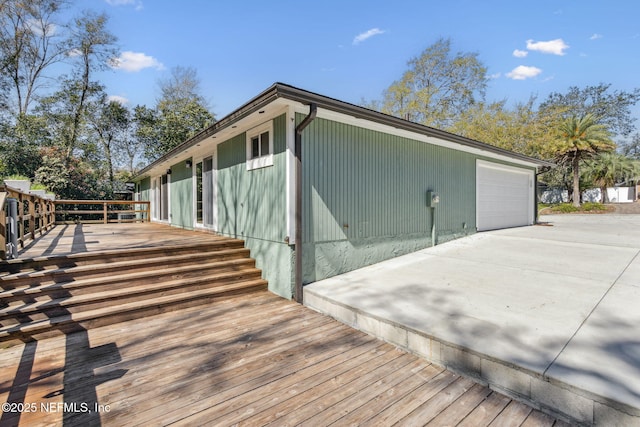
(564,208)
(593,206)
(586,207)
(38,186)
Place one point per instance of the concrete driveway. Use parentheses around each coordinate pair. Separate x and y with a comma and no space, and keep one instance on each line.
(559,303)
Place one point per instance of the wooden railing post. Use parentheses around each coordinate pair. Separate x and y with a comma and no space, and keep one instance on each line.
(3,226)
(104,212)
(52,213)
(21,231)
(32,217)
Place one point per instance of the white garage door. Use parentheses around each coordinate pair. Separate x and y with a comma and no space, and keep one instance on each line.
(504,196)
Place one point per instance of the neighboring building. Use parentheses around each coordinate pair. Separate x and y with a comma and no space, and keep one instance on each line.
(365,180)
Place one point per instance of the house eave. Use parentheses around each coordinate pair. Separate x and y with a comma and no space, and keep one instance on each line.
(281,90)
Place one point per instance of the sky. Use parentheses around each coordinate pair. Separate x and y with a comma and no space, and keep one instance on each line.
(352,50)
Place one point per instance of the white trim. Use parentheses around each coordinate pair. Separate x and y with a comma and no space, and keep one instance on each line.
(194,192)
(290,187)
(368,124)
(263,160)
(169,213)
(156,192)
(492,165)
(214,183)
(214,178)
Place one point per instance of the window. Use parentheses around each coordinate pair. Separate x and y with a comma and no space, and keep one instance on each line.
(260,146)
(204,192)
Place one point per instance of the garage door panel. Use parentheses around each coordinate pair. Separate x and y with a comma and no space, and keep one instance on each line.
(504,196)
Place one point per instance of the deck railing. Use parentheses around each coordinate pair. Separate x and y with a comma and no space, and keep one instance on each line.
(101,211)
(35,215)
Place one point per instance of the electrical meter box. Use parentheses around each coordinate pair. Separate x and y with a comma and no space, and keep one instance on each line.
(433,199)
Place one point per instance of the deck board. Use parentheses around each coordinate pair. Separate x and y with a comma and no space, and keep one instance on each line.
(76,238)
(252,360)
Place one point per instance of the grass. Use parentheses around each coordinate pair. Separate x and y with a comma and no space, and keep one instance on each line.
(17,177)
(590,207)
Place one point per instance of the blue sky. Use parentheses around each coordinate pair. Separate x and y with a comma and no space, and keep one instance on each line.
(353,50)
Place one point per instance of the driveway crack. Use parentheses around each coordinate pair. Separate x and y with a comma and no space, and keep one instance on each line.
(591,312)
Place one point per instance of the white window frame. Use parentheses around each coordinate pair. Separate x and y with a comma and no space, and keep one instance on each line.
(214,183)
(156,211)
(265,159)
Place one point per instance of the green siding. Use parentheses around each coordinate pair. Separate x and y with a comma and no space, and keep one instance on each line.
(144,194)
(364,196)
(252,205)
(361,183)
(144,188)
(181,194)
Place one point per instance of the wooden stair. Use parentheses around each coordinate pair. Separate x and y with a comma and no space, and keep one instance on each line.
(44,296)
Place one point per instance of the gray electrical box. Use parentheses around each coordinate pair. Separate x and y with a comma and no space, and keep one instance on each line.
(433,199)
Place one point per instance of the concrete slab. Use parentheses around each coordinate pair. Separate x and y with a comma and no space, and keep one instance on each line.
(557,302)
(604,355)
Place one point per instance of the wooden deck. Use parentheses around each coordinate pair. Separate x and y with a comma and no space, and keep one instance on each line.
(75,238)
(252,360)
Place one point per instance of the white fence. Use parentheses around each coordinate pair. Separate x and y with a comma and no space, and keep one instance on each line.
(615,195)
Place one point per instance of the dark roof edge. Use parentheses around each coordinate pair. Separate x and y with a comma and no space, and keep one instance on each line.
(357,111)
(282,90)
(245,110)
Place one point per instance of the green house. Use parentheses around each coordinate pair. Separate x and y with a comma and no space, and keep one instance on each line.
(362,187)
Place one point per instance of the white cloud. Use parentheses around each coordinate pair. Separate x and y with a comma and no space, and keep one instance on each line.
(520,53)
(366,35)
(136,61)
(117,98)
(555,47)
(39,29)
(495,76)
(136,3)
(595,36)
(73,53)
(523,72)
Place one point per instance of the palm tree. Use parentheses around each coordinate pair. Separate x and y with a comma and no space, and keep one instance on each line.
(610,168)
(579,139)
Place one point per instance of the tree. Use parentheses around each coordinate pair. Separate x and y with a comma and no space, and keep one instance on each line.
(180,113)
(70,178)
(610,168)
(438,87)
(613,109)
(632,147)
(93,47)
(521,128)
(580,138)
(111,122)
(20,143)
(29,44)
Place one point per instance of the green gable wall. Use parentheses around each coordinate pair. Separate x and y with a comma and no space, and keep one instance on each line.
(252,206)
(181,195)
(364,196)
